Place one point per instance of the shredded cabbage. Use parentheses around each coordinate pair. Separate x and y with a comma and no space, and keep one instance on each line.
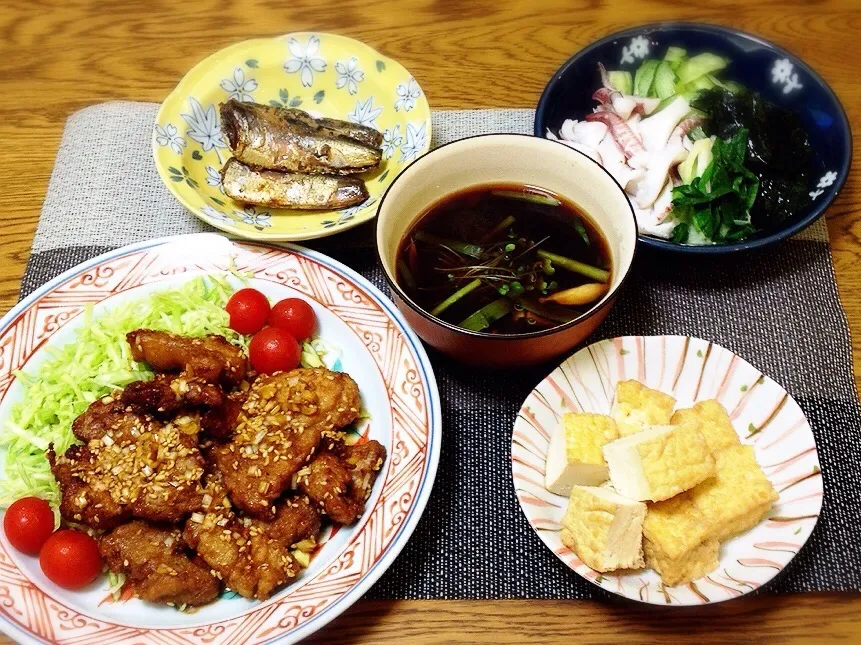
(115,584)
(97,362)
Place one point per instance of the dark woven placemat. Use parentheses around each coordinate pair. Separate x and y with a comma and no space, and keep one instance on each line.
(778,308)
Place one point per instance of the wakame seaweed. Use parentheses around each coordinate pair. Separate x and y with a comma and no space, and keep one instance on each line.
(778,149)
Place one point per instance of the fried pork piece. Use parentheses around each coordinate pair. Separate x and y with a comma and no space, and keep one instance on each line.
(132,464)
(279,429)
(211,358)
(79,502)
(340,479)
(252,556)
(364,460)
(104,415)
(165,394)
(220,422)
(157,563)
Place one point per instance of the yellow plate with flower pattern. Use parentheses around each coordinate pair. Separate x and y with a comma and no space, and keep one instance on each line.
(323,74)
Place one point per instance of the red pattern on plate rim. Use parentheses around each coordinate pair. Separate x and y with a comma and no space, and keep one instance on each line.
(46,618)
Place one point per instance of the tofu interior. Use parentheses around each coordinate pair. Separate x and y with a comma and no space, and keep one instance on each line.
(659,462)
(604,528)
(575,455)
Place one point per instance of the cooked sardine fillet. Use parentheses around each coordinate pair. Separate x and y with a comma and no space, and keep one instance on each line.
(333,127)
(290,190)
(276,139)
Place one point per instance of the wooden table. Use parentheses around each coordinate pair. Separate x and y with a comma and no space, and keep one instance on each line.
(60,55)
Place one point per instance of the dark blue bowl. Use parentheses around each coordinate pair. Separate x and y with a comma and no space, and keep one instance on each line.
(756,64)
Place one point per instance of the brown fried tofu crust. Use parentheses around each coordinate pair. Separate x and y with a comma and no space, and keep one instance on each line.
(157,563)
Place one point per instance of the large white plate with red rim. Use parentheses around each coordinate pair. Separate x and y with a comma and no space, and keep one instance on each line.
(376,347)
(691,369)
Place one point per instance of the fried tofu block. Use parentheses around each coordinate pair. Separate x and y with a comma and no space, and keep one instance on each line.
(676,526)
(739,496)
(658,463)
(637,406)
(604,529)
(575,456)
(712,420)
(696,563)
(733,501)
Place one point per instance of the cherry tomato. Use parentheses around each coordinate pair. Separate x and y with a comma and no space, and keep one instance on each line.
(294,315)
(28,523)
(273,350)
(249,311)
(71,559)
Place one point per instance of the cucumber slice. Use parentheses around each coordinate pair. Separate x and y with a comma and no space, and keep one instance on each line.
(675,55)
(621,81)
(698,159)
(645,76)
(700,65)
(734,87)
(701,83)
(665,80)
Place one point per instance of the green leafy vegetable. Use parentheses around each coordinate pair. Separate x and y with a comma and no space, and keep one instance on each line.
(715,206)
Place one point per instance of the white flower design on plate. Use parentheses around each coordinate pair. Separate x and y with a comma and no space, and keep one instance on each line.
(213,177)
(782,74)
(255,218)
(349,75)
(214,214)
(349,213)
(828,179)
(169,136)
(415,143)
(203,126)
(305,60)
(392,138)
(239,87)
(407,95)
(637,48)
(365,113)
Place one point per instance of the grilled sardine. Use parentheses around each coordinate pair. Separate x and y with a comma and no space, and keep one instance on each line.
(272,138)
(290,190)
(334,127)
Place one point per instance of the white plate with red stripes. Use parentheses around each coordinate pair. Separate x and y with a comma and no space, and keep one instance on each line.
(376,346)
(691,369)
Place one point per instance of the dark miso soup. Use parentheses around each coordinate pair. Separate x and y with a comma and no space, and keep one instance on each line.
(504,259)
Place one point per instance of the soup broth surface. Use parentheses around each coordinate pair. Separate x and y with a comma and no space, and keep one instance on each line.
(504,259)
